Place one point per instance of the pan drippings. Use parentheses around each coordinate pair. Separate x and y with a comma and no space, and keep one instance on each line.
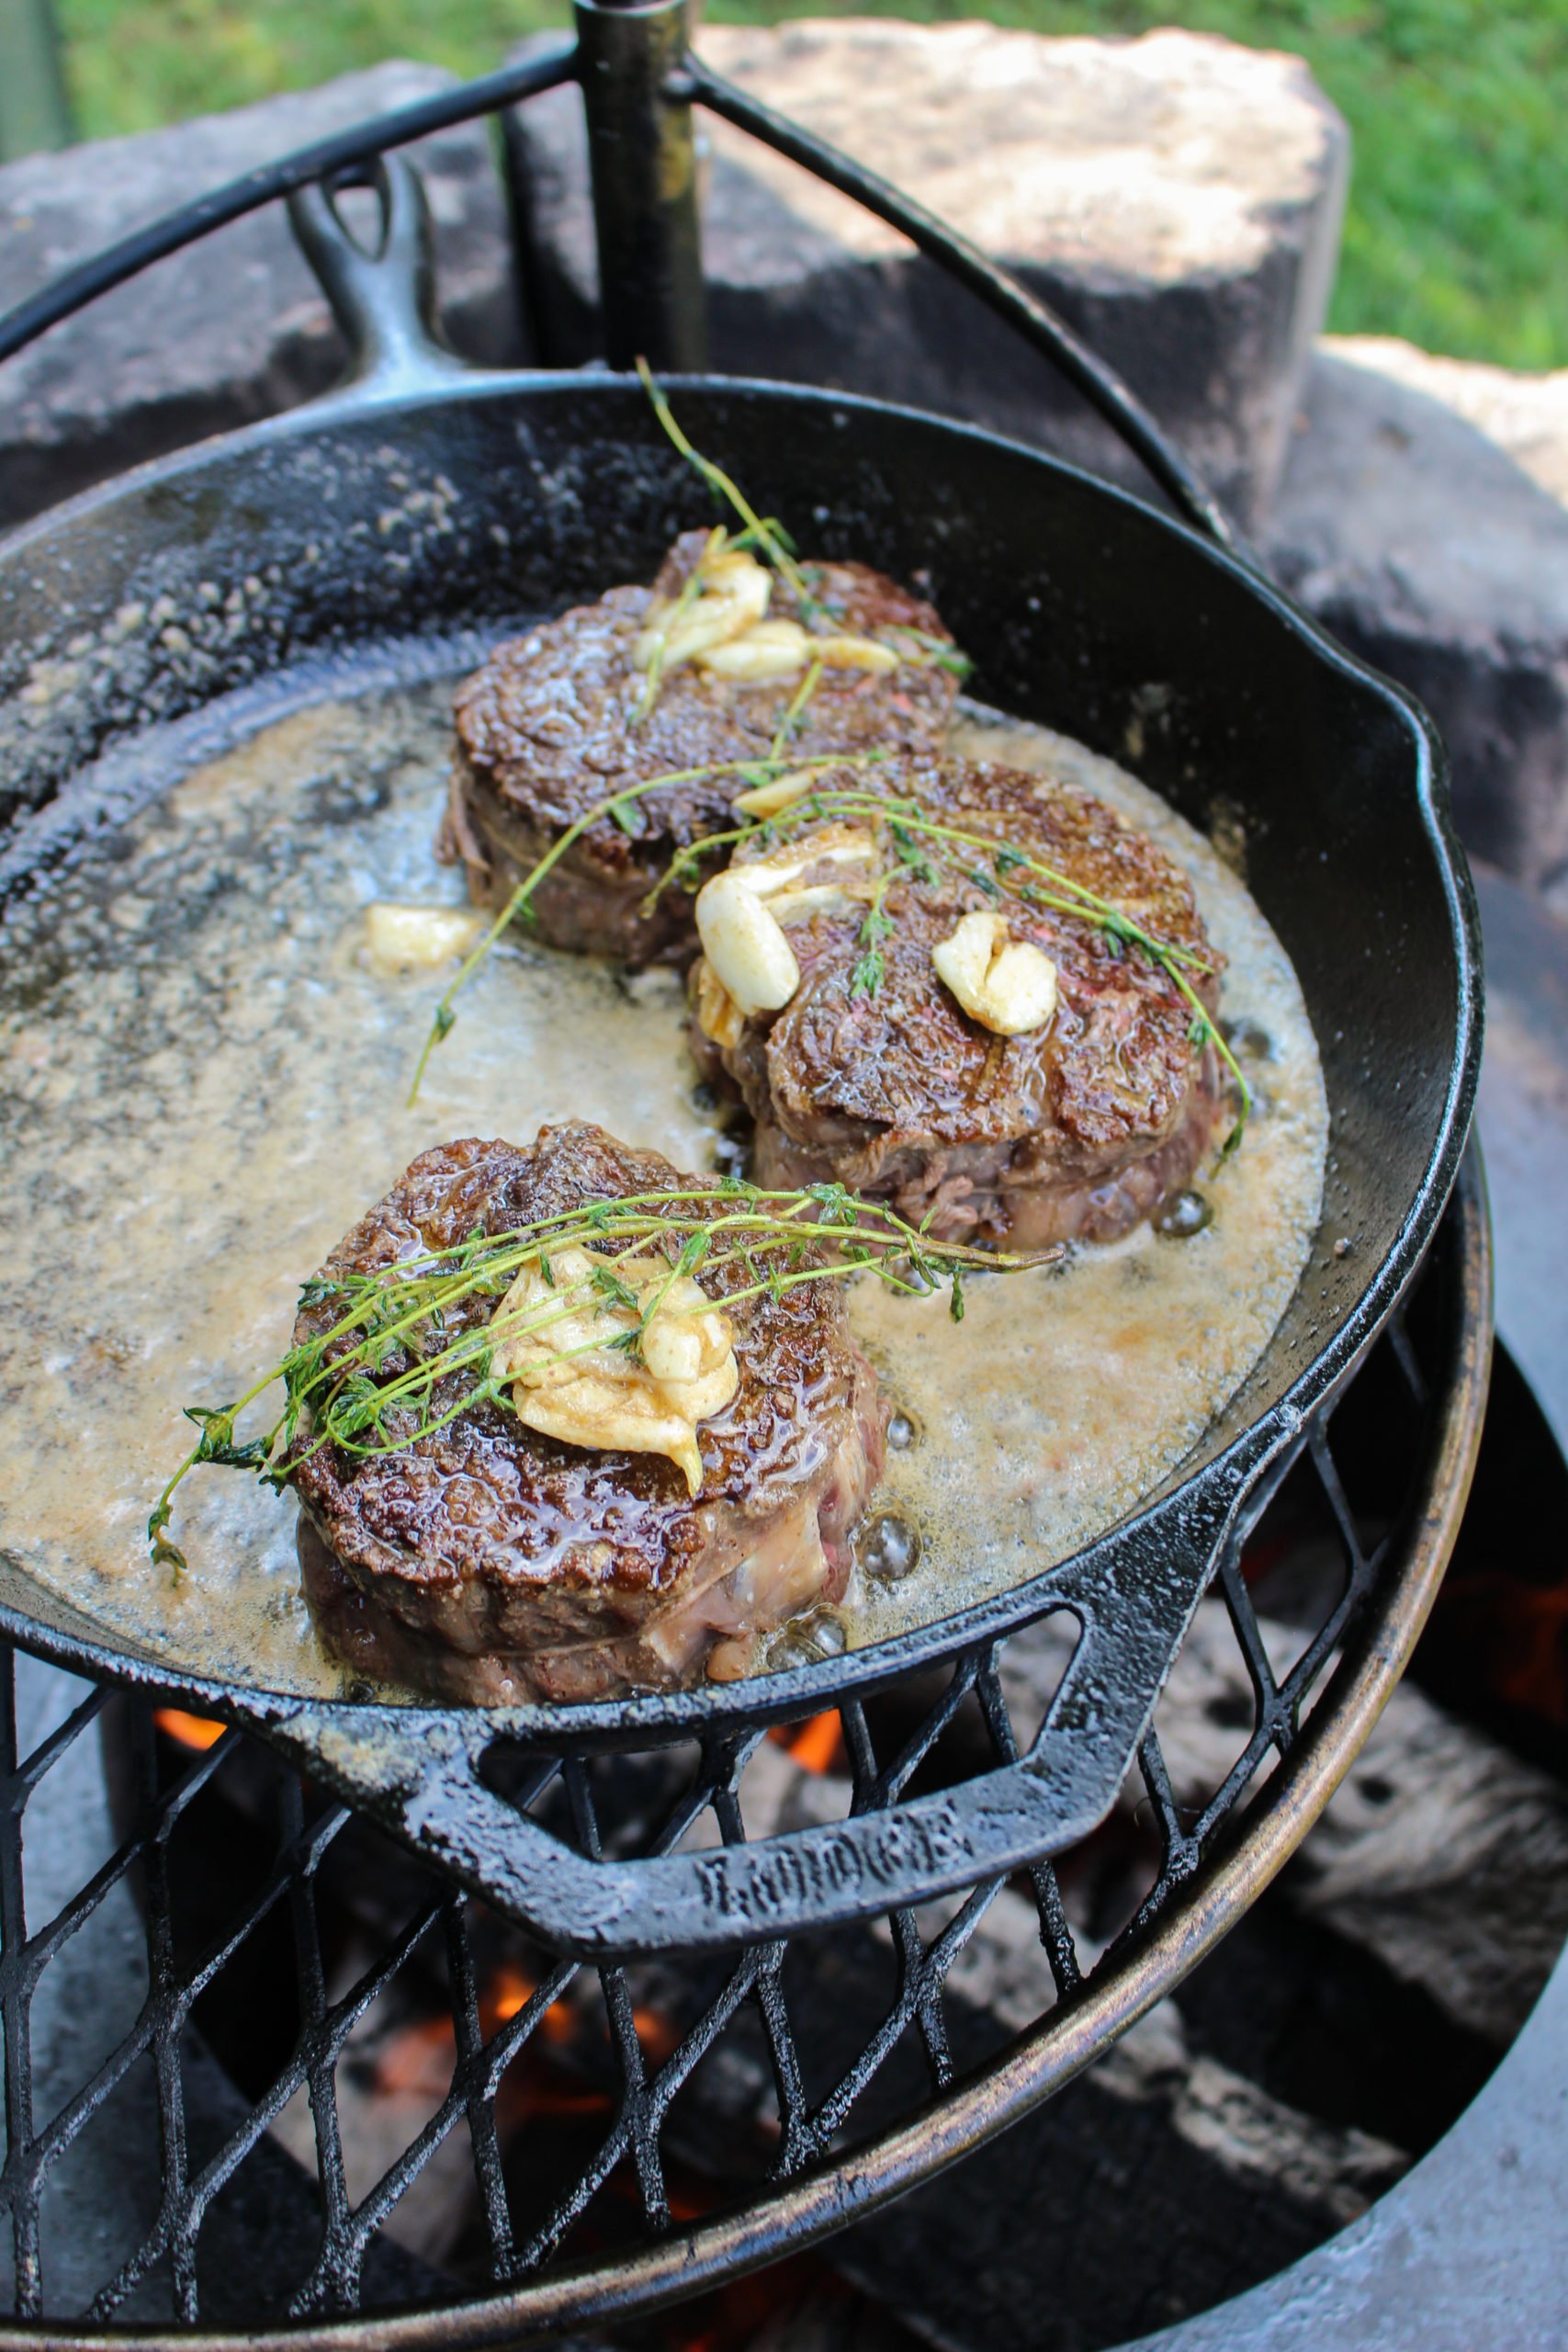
(206,1065)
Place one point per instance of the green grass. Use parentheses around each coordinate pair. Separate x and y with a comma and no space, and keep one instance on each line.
(1458,229)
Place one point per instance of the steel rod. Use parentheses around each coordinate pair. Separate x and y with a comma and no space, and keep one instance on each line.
(643,161)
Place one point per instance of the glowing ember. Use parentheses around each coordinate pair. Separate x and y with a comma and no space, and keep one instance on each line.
(508,1991)
(418,2058)
(656,2033)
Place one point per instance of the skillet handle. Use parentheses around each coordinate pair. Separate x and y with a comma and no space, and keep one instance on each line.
(384,301)
(421,1774)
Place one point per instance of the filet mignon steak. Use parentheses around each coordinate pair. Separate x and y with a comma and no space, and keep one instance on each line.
(1074,1131)
(550,727)
(486,1563)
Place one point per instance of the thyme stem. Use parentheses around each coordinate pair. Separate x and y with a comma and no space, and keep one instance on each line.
(1063,895)
(340,1379)
(791,719)
(444,1016)
(772,547)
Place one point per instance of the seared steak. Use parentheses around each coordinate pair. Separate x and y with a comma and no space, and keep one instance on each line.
(489,1564)
(884,1083)
(552,725)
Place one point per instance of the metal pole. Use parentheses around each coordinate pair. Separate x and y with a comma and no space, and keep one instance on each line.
(638,103)
(34,109)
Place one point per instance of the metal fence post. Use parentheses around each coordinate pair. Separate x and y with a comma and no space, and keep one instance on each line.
(34,109)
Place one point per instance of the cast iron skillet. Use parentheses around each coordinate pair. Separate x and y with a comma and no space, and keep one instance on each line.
(1083,607)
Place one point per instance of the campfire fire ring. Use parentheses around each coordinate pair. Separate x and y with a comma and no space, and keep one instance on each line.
(1411,1417)
(732,1847)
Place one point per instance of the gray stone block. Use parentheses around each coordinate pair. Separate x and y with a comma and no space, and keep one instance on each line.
(1429,552)
(234,327)
(1178,197)
(1525,417)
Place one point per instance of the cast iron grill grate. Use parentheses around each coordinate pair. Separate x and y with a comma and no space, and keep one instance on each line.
(636,2043)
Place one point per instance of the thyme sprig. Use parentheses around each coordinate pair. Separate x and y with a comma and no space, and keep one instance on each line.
(772,537)
(374,1380)
(786,729)
(774,542)
(620,805)
(691,590)
(1009,870)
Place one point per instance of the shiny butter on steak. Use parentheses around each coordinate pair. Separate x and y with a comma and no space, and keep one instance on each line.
(489,1564)
(1075,1129)
(560,719)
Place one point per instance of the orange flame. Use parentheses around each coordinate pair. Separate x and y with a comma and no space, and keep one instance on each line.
(817,1745)
(189,1730)
(508,1991)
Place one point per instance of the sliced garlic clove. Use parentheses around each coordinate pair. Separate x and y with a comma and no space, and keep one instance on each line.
(646,649)
(710,623)
(731,563)
(851,652)
(735,593)
(1023,990)
(1008,986)
(673,1349)
(767,649)
(822,899)
(610,1417)
(771,799)
(720,1018)
(572,1381)
(840,853)
(417,938)
(749,956)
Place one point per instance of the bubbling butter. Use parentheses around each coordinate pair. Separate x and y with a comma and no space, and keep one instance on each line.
(203,1084)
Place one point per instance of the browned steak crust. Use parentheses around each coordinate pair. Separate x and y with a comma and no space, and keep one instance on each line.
(484,1562)
(1077,1131)
(547,729)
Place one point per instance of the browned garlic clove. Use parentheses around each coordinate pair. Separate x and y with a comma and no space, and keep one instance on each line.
(720,1018)
(733,597)
(723,628)
(772,799)
(744,945)
(417,938)
(849,652)
(1008,986)
(768,649)
(572,1381)
(840,859)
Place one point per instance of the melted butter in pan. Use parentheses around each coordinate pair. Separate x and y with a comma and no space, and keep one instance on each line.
(203,1082)
(1065,1397)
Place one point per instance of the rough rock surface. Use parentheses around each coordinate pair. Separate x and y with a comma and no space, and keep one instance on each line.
(234,327)
(1178,197)
(1427,549)
(1526,416)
